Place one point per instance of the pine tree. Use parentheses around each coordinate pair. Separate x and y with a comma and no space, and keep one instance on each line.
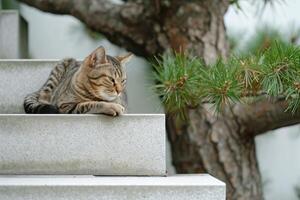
(224,102)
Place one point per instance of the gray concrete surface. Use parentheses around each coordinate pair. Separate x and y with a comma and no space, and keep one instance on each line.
(178,187)
(82,144)
(13,35)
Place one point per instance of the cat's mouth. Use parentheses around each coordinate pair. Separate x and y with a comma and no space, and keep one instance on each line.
(108,97)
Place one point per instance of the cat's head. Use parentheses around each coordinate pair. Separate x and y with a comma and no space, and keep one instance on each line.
(105,76)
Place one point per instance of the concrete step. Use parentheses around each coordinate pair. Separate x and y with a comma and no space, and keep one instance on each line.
(13,35)
(178,187)
(132,144)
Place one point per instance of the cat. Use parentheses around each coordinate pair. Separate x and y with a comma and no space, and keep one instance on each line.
(96,86)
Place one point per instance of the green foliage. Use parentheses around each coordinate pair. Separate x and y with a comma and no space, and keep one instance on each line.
(183,82)
(249,73)
(220,85)
(178,81)
(280,68)
(262,40)
(9,4)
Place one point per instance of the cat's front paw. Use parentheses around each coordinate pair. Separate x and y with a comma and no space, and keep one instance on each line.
(115,109)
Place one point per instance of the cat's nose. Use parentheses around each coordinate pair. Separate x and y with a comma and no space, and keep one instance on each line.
(119,93)
(118,89)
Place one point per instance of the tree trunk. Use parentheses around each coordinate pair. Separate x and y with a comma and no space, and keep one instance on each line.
(214,145)
(206,143)
(223,145)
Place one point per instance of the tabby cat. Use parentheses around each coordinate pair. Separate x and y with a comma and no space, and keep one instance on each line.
(96,85)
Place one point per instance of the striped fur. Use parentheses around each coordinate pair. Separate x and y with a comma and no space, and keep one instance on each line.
(97,85)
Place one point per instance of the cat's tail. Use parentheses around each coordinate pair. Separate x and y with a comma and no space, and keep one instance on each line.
(33,106)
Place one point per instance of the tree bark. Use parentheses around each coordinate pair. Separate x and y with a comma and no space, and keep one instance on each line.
(214,145)
(207,143)
(152,26)
(221,145)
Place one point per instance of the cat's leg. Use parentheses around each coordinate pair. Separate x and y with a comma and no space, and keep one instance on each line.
(95,107)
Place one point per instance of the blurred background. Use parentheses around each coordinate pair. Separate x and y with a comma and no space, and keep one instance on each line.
(248,24)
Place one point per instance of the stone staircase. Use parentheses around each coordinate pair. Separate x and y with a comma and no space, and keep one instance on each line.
(70,149)
(83,157)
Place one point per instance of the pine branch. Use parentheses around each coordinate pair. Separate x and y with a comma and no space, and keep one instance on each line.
(274,73)
(264,115)
(177,81)
(126,24)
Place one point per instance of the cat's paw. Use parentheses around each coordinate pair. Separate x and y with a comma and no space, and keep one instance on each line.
(115,109)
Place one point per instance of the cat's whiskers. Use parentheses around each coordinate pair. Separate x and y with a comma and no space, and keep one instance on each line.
(107,97)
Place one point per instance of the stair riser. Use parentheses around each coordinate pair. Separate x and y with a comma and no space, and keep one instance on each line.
(82,144)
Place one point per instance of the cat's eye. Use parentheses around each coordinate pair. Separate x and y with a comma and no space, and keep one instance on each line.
(111,79)
(123,81)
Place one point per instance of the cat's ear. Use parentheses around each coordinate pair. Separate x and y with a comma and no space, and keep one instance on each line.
(124,59)
(98,56)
